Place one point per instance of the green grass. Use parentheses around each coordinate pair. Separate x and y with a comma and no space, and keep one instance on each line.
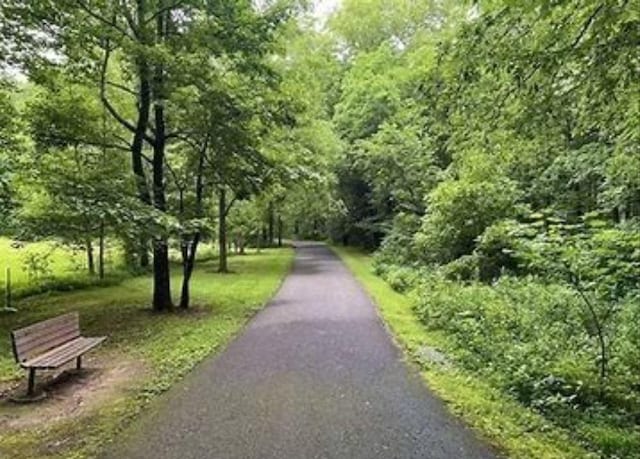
(67,268)
(63,261)
(168,345)
(512,428)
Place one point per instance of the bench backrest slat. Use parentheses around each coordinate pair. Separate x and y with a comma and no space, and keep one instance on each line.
(43,336)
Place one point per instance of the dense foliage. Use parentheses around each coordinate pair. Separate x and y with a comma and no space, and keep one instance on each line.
(488,151)
(492,158)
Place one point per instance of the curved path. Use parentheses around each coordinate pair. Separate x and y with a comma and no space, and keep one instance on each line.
(314,375)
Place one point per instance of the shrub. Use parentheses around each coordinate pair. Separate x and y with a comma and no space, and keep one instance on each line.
(398,246)
(529,338)
(496,249)
(458,212)
(401,279)
(37,265)
(464,268)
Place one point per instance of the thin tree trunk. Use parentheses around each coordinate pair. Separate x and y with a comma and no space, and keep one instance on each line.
(280,231)
(90,262)
(189,253)
(258,241)
(188,264)
(271,224)
(101,252)
(241,244)
(222,230)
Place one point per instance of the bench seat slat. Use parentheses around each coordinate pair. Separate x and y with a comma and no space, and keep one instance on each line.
(62,354)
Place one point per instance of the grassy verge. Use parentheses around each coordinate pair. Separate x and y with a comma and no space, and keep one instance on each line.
(167,346)
(517,431)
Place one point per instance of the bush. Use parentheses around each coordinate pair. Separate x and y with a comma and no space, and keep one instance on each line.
(629,342)
(401,279)
(459,211)
(529,338)
(464,268)
(398,247)
(496,249)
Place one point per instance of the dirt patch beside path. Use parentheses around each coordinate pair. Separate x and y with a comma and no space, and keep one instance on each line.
(70,394)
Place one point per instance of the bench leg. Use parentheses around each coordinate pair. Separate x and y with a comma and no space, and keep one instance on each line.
(32,382)
(79,363)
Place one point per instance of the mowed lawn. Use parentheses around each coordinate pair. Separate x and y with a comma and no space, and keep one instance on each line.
(64,265)
(167,346)
(63,262)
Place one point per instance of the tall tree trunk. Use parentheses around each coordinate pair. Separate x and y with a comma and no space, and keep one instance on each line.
(189,253)
(222,230)
(188,264)
(161,274)
(241,249)
(101,251)
(137,146)
(280,231)
(90,262)
(161,270)
(271,224)
(258,241)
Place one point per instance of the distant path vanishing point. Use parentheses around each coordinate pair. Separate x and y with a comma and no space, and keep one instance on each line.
(314,375)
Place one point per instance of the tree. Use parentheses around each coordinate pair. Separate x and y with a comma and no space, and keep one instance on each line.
(10,144)
(145,55)
(77,165)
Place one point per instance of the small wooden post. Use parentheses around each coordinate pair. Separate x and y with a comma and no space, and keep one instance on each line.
(79,363)
(7,292)
(7,288)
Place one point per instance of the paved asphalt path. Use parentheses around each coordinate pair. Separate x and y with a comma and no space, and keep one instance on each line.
(314,375)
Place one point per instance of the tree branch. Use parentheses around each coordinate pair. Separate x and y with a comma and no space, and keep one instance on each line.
(231,203)
(100,18)
(586,25)
(130,22)
(164,10)
(179,185)
(103,97)
(121,87)
(103,91)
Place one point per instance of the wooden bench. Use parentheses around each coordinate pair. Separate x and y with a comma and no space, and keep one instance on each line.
(50,344)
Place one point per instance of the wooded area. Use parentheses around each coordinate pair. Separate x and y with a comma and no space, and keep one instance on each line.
(488,152)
